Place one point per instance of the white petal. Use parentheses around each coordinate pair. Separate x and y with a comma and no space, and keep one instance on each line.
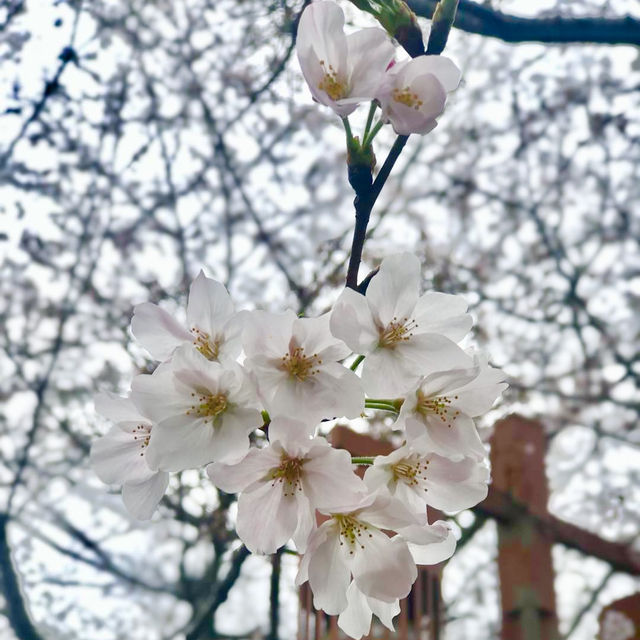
(355,620)
(266,517)
(117,408)
(441,67)
(456,485)
(352,322)
(268,334)
(142,499)
(292,434)
(157,331)
(116,458)
(329,480)
(209,304)
(328,573)
(370,51)
(450,437)
(306,523)
(233,478)
(340,390)
(430,544)
(443,313)
(314,336)
(156,395)
(384,569)
(393,291)
(386,611)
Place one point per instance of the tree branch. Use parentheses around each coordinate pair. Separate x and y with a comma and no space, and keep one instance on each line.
(475,18)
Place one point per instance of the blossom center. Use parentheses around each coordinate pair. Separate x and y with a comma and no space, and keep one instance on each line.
(397,331)
(298,365)
(202,341)
(288,474)
(410,470)
(407,97)
(438,406)
(208,406)
(333,83)
(142,434)
(353,532)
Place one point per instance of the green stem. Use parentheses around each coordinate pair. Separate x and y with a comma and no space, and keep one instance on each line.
(372,134)
(356,363)
(367,128)
(361,460)
(347,128)
(380,406)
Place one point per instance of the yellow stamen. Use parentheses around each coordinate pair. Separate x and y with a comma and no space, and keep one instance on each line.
(209,348)
(333,83)
(209,406)
(298,365)
(407,97)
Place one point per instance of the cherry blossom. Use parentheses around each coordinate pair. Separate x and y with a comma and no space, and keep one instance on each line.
(429,479)
(295,364)
(283,484)
(202,411)
(403,335)
(213,326)
(341,70)
(414,92)
(438,413)
(120,456)
(355,620)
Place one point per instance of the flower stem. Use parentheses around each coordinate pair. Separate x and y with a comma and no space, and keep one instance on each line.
(356,363)
(382,406)
(372,110)
(372,134)
(362,460)
(347,128)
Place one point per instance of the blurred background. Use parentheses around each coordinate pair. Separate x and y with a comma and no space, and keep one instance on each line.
(143,140)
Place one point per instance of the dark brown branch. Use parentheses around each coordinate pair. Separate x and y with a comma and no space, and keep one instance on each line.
(10,584)
(475,18)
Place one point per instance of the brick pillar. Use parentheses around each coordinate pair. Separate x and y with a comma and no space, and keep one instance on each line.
(621,619)
(524,553)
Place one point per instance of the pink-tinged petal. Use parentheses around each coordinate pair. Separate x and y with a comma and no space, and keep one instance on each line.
(209,305)
(118,458)
(387,512)
(329,479)
(117,408)
(456,485)
(430,544)
(441,67)
(314,336)
(450,437)
(393,291)
(142,499)
(329,575)
(157,331)
(352,322)
(384,569)
(355,620)
(443,313)
(266,517)
(370,52)
(233,478)
(268,334)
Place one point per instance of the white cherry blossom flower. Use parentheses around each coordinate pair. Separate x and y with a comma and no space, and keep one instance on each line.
(420,479)
(414,92)
(341,70)
(283,484)
(295,364)
(355,620)
(213,326)
(403,335)
(438,413)
(428,544)
(353,543)
(120,456)
(202,411)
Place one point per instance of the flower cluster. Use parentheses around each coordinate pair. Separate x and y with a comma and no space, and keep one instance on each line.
(245,393)
(343,71)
